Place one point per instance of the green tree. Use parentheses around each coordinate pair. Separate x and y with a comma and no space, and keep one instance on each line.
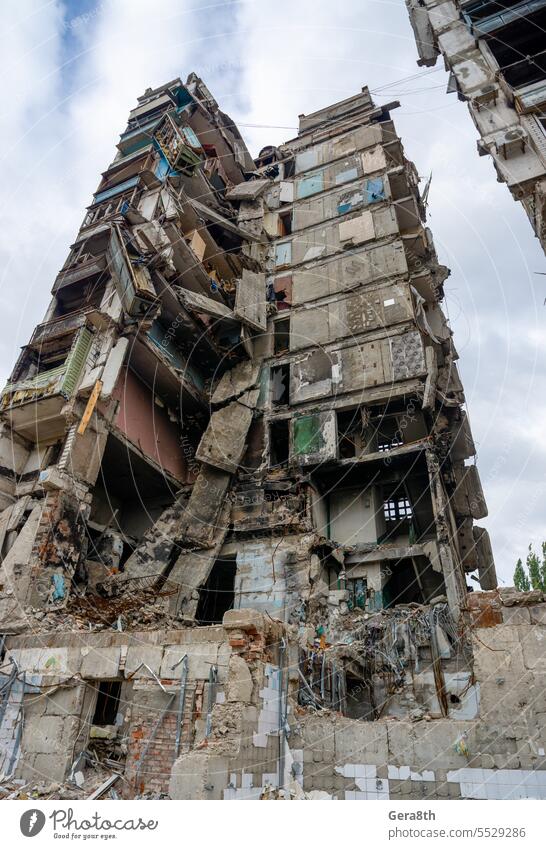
(534,570)
(521,581)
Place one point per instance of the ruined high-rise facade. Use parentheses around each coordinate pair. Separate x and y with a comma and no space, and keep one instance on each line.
(238,502)
(496,54)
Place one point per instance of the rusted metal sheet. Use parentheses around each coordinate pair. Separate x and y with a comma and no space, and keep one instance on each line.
(485,609)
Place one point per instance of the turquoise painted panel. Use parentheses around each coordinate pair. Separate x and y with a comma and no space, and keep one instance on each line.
(191,138)
(346,176)
(116,190)
(182,96)
(375,190)
(283,253)
(310,185)
(162,168)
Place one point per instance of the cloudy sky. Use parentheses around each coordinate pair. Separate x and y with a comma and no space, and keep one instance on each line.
(71,72)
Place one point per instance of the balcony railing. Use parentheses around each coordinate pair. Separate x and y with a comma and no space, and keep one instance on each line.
(179,145)
(531,97)
(56,327)
(61,380)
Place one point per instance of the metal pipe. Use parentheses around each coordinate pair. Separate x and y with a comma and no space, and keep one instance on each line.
(322,675)
(152,673)
(282,650)
(213,678)
(181,701)
(439,679)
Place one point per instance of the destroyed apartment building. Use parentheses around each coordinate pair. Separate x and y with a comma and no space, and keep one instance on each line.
(496,55)
(238,491)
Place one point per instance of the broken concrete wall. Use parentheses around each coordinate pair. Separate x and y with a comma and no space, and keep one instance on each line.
(486,754)
(273,575)
(224,442)
(264,431)
(488,748)
(350,316)
(345,273)
(55,720)
(14,453)
(14,570)
(356,366)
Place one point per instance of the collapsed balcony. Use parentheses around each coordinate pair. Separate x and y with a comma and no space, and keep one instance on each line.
(138,480)
(45,379)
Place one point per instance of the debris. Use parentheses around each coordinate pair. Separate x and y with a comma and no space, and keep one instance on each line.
(102,788)
(238,514)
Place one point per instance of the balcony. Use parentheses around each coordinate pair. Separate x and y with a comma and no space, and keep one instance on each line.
(33,405)
(91,267)
(117,205)
(531,98)
(179,145)
(57,327)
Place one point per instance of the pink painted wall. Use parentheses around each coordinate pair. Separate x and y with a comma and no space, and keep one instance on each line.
(147,425)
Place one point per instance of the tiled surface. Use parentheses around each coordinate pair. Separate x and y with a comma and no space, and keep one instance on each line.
(500,783)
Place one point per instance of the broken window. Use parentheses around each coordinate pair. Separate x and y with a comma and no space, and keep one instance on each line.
(49,360)
(217,595)
(397,509)
(81,295)
(289,168)
(388,434)
(358,702)
(285,223)
(280,377)
(412,579)
(282,336)
(357,592)
(120,204)
(353,433)
(107,704)
(282,291)
(130,493)
(254,455)
(279,442)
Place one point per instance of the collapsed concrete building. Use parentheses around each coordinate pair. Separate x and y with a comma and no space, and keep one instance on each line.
(497,61)
(237,509)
